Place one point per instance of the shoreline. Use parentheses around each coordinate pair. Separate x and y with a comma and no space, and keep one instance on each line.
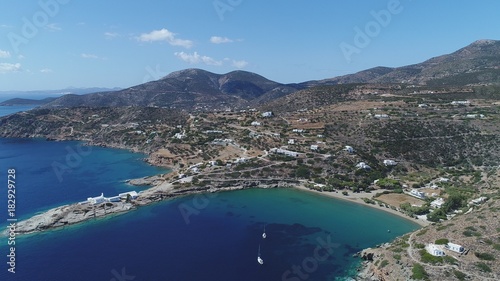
(358,199)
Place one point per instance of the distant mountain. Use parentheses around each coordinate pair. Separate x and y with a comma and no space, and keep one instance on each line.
(478,63)
(190,88)
(19,101)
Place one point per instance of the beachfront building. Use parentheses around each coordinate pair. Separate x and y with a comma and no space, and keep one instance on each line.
(133,195)
(434,250)
(454,247)
(97,200)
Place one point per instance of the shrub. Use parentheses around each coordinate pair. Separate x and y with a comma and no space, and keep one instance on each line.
(460,275)
(419,273)
(443,241)
(484,256)
(383,263)
(483,267)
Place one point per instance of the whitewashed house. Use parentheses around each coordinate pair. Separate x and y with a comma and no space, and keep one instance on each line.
(314,147)
(381,116)
(267,114)
(460,102)
(255,123)
(349,149)
(454,247)
(437,203)
(298,130)
(388,162)
(418,194)
(435,250)
(97,200)
(423,105)
(133,195)
(284,152)
(291,141)
(363,165)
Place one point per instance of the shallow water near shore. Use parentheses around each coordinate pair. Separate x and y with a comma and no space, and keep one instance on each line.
(200,237)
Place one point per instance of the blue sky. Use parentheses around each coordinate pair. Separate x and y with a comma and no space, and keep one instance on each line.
(121,43)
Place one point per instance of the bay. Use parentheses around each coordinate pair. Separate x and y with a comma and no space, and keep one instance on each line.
(201,237)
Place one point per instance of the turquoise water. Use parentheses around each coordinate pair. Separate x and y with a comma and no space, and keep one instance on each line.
(203,237)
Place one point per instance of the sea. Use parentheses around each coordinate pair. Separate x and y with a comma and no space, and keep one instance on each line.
(214,236)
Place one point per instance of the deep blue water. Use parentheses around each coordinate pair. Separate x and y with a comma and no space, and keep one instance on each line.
(6,110)
(188,238)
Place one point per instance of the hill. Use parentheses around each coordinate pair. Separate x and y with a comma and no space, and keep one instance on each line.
(477,63)
(186,89)
(20,101)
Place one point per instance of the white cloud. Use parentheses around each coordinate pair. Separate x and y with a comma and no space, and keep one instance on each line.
(89,56)
(9,67)
(165,35)
(220,40)
(239,63)
(111,35)
(5,26)
(46,70)
(4,54)
(53,27)
(21,57)
(195,58)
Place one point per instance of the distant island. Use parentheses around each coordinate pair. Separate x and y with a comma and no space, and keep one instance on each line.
(420,141)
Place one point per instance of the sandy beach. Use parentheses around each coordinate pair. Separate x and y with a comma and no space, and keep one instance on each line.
(358,198)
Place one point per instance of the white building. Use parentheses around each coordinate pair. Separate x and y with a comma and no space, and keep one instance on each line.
(418,194)
(349,149)
(363,165)
(255,123)
(284,152)
(179,136)
(437,203)
(460,102)
(298,130)
(390,163)
(314,147)
(97,200)
(133,194)
(435,250)
(267,114)
(423,105)
(454,247)
(291,141)
(381,116)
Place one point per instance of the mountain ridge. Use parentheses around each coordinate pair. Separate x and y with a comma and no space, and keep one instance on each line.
(476,64)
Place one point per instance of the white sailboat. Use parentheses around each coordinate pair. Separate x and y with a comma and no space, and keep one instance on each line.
(264,233)
(259,259)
